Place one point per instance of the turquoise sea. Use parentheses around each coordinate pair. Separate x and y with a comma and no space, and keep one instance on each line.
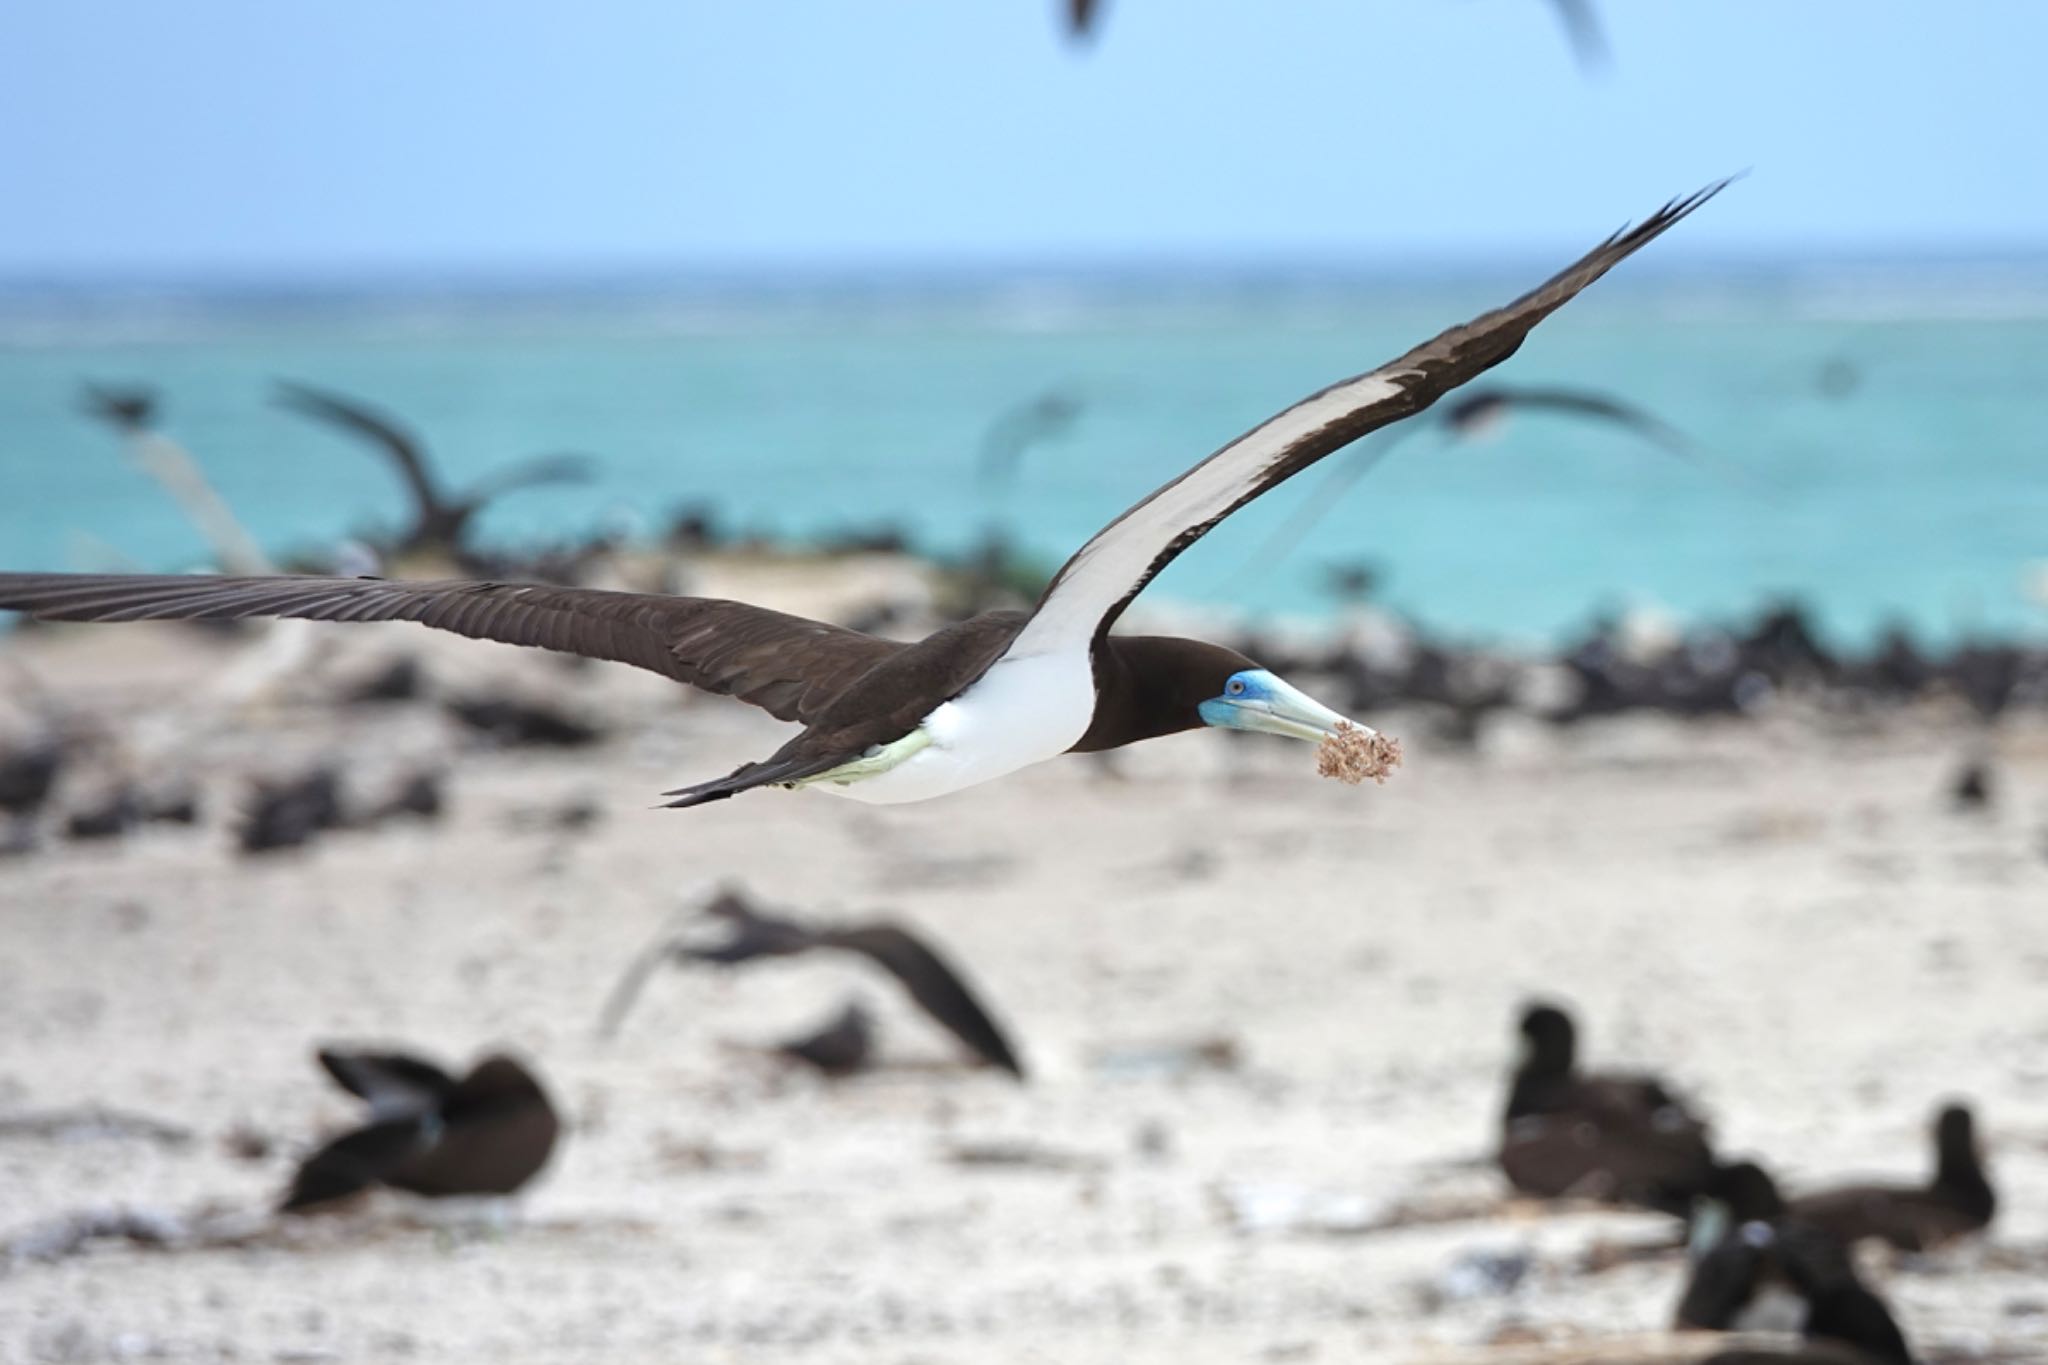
(1920,492)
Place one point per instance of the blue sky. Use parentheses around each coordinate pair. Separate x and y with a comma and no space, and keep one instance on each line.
(307,138)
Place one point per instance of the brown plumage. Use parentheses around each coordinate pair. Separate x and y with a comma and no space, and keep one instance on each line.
(430,1134)
(1958,1201)
(856,694)
(931,981)
(1620,1139)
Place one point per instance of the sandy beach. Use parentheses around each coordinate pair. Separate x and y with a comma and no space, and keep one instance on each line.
(1784,915)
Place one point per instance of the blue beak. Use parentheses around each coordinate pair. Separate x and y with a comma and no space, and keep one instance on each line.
(1273,707)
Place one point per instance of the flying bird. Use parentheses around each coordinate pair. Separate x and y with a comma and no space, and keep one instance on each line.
(429,1133)
(1470,416)
(887,722)
(1621,1139)
(930,980)
(441,517)
(1582,28)
(1045,417)
(1957,1202)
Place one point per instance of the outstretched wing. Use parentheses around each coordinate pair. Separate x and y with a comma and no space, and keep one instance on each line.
(788,666)
(401,445)
(533,473)
(1092,589)
(933,984)
(1600,408)
(393,1083)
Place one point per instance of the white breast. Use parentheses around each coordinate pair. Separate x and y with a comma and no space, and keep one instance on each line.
(1021,712)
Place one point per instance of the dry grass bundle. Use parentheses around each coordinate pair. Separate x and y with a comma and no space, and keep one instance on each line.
(1354,753)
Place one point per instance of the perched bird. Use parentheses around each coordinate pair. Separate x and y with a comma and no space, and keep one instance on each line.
(1957,1202)
(441,518)
(428,1133)
(931,981)
(1844,1323)
(1622,1139)
(289,813)
(1736,1282)
(841,1048)
(28,774)
(888,722)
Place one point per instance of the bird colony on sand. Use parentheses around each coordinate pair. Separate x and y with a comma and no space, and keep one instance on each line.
(886,721)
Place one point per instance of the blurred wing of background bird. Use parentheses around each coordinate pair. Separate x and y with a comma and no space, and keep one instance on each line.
(399,445)
(390,1082)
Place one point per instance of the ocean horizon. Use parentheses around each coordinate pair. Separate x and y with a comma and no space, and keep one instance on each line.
(1867,428)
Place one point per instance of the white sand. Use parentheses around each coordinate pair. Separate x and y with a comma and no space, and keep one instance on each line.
(1784,917)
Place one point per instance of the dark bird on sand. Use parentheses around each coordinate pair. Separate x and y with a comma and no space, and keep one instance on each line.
(441,516)
(842,1047)
(28,774)
(513,722)
(931,981)
(1620,1139)
(1970,789)
(1737,1282)
(891,722)
(1958,1201)
(291,812)
(428,1133)
(1843,1322)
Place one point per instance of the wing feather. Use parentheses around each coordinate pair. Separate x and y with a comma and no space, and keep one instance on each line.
(788,666)
(1092,589)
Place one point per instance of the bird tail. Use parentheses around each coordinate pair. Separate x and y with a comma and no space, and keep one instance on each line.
(774,772)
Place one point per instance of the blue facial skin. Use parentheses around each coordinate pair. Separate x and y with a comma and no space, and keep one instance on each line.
(1254,699)
(1229,711)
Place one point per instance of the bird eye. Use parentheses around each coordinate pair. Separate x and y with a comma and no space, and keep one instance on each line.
(1236,687)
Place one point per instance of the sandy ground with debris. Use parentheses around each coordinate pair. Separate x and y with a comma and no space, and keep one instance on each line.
(1784,916)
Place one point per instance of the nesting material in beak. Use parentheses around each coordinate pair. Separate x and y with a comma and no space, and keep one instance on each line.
(1352,753)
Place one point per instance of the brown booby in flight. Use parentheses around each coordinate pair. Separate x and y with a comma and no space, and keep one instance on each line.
(887,722)
(488,1133)
(1622,1139)
(929,979)
(440,518)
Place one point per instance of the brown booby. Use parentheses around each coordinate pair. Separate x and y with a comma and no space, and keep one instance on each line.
(1957,1202)
(888,722)
(1844,1322)
(930,980)
(429,1133)
(441,518)
(1622,1139)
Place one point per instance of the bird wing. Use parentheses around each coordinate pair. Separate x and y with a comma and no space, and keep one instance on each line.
(1092,589)
(356,1160)
(1582,26)
(401,445)
(933,984)
(788,666)
(533,473)
(392,1082)
(1600,407)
